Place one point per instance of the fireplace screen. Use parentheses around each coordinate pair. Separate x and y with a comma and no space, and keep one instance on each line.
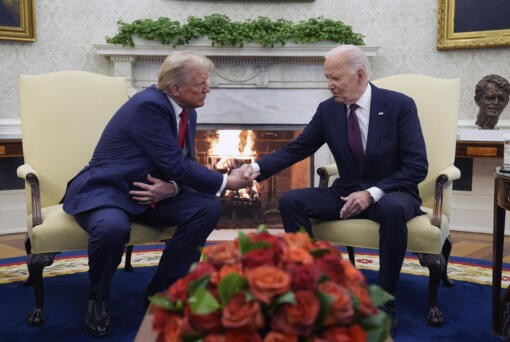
(223,150)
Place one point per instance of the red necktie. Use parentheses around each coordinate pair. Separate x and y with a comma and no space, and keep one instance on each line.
(354,136)
(183,127)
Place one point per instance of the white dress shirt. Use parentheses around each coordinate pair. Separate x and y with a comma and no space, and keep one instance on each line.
(177,110)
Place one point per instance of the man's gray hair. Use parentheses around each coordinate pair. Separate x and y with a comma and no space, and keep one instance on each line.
(357,59)
(177,68)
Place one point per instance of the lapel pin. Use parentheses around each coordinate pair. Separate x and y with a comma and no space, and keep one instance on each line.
(380,113)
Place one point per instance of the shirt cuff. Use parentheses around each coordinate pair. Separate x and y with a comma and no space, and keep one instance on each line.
(256,167)
(375,193)
(223,185)
(177,189)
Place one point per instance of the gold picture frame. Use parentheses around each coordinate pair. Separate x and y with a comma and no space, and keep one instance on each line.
(449,38)
(17,20)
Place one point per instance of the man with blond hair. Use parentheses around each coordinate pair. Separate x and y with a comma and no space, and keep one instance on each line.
(148,140)
(375,137)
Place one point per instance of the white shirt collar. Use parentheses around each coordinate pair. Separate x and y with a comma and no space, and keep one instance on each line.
(175,106)
(364,100)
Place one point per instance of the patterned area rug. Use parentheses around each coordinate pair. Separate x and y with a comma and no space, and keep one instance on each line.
(475,271)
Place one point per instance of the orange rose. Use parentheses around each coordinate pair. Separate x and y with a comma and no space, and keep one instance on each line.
(227,269)
(236,336)
(297,318)
(341,310)
(275,336)
(161,316)
(173,329)
(267,281)
(351,275)
(202,268)
(241,314)
(224,253)
(366,307)
(301,240)
(296,255)
(354,333)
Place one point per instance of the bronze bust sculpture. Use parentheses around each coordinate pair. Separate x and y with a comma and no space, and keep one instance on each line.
(491,95)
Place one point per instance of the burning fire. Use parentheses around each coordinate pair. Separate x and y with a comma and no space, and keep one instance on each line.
(230,149)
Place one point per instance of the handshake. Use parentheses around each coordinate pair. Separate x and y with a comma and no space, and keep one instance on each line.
(241,177)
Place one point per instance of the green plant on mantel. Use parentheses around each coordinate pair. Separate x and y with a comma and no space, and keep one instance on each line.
(222,31)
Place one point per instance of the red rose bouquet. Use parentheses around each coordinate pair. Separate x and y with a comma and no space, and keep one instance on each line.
(271,288)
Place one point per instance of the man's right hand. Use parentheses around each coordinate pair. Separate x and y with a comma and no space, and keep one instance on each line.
(241,177)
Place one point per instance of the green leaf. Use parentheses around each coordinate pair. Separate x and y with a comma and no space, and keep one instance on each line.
(377,326)
(378,295)
(325,301)
(201,282)
(317,253)
(303,230)
(192,338)
(230,285)
(261,228)
(287,297)
(323,278)
(162,302)
(245,244)
(202,302)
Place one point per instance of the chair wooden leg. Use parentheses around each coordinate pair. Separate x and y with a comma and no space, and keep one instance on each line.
(28,249)
(127,266)
(436,265)
(447,248)
(350,251)
(36,264)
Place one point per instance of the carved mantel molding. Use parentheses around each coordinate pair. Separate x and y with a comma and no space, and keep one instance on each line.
(291,66)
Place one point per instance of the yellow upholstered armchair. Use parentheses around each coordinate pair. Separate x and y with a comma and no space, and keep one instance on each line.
(428,235)
(62,117)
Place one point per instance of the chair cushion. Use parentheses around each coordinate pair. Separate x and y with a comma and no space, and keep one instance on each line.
(60,232)
(422,236)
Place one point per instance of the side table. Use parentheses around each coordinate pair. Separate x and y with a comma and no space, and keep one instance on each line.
(500,324)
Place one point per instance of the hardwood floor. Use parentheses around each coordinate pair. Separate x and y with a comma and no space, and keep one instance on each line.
(468,245)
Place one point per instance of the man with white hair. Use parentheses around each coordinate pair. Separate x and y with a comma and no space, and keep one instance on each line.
(150,138)
(376,139)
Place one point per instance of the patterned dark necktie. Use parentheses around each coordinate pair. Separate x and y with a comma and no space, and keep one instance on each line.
(354,136)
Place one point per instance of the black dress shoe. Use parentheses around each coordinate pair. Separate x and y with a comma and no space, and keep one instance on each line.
(389,309)
(98,322)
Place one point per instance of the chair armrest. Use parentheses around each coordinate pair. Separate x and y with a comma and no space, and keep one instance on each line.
(451,173)
(26,172)
(443,180)
(325,172)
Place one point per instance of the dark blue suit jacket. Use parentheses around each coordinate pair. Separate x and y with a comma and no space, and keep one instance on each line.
(395,156)
(140,138)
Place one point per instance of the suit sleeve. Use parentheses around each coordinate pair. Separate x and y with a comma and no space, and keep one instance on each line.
(150,129)
(412,153)
(309,141)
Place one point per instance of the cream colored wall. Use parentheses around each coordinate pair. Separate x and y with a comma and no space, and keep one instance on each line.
(404,30)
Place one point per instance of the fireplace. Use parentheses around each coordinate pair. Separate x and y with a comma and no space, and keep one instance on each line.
(223,150)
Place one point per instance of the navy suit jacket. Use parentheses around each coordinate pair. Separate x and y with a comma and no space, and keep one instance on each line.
(395,156)
(140,138)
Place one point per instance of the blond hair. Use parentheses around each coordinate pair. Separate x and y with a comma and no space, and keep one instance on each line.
(178,66)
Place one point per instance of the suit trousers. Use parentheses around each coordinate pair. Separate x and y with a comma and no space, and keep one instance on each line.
(195,214)
(392,212)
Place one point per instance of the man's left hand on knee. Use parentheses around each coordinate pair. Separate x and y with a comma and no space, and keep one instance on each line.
(355,204)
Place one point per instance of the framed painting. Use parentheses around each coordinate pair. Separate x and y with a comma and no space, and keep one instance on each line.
(465,24)
(17,20)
